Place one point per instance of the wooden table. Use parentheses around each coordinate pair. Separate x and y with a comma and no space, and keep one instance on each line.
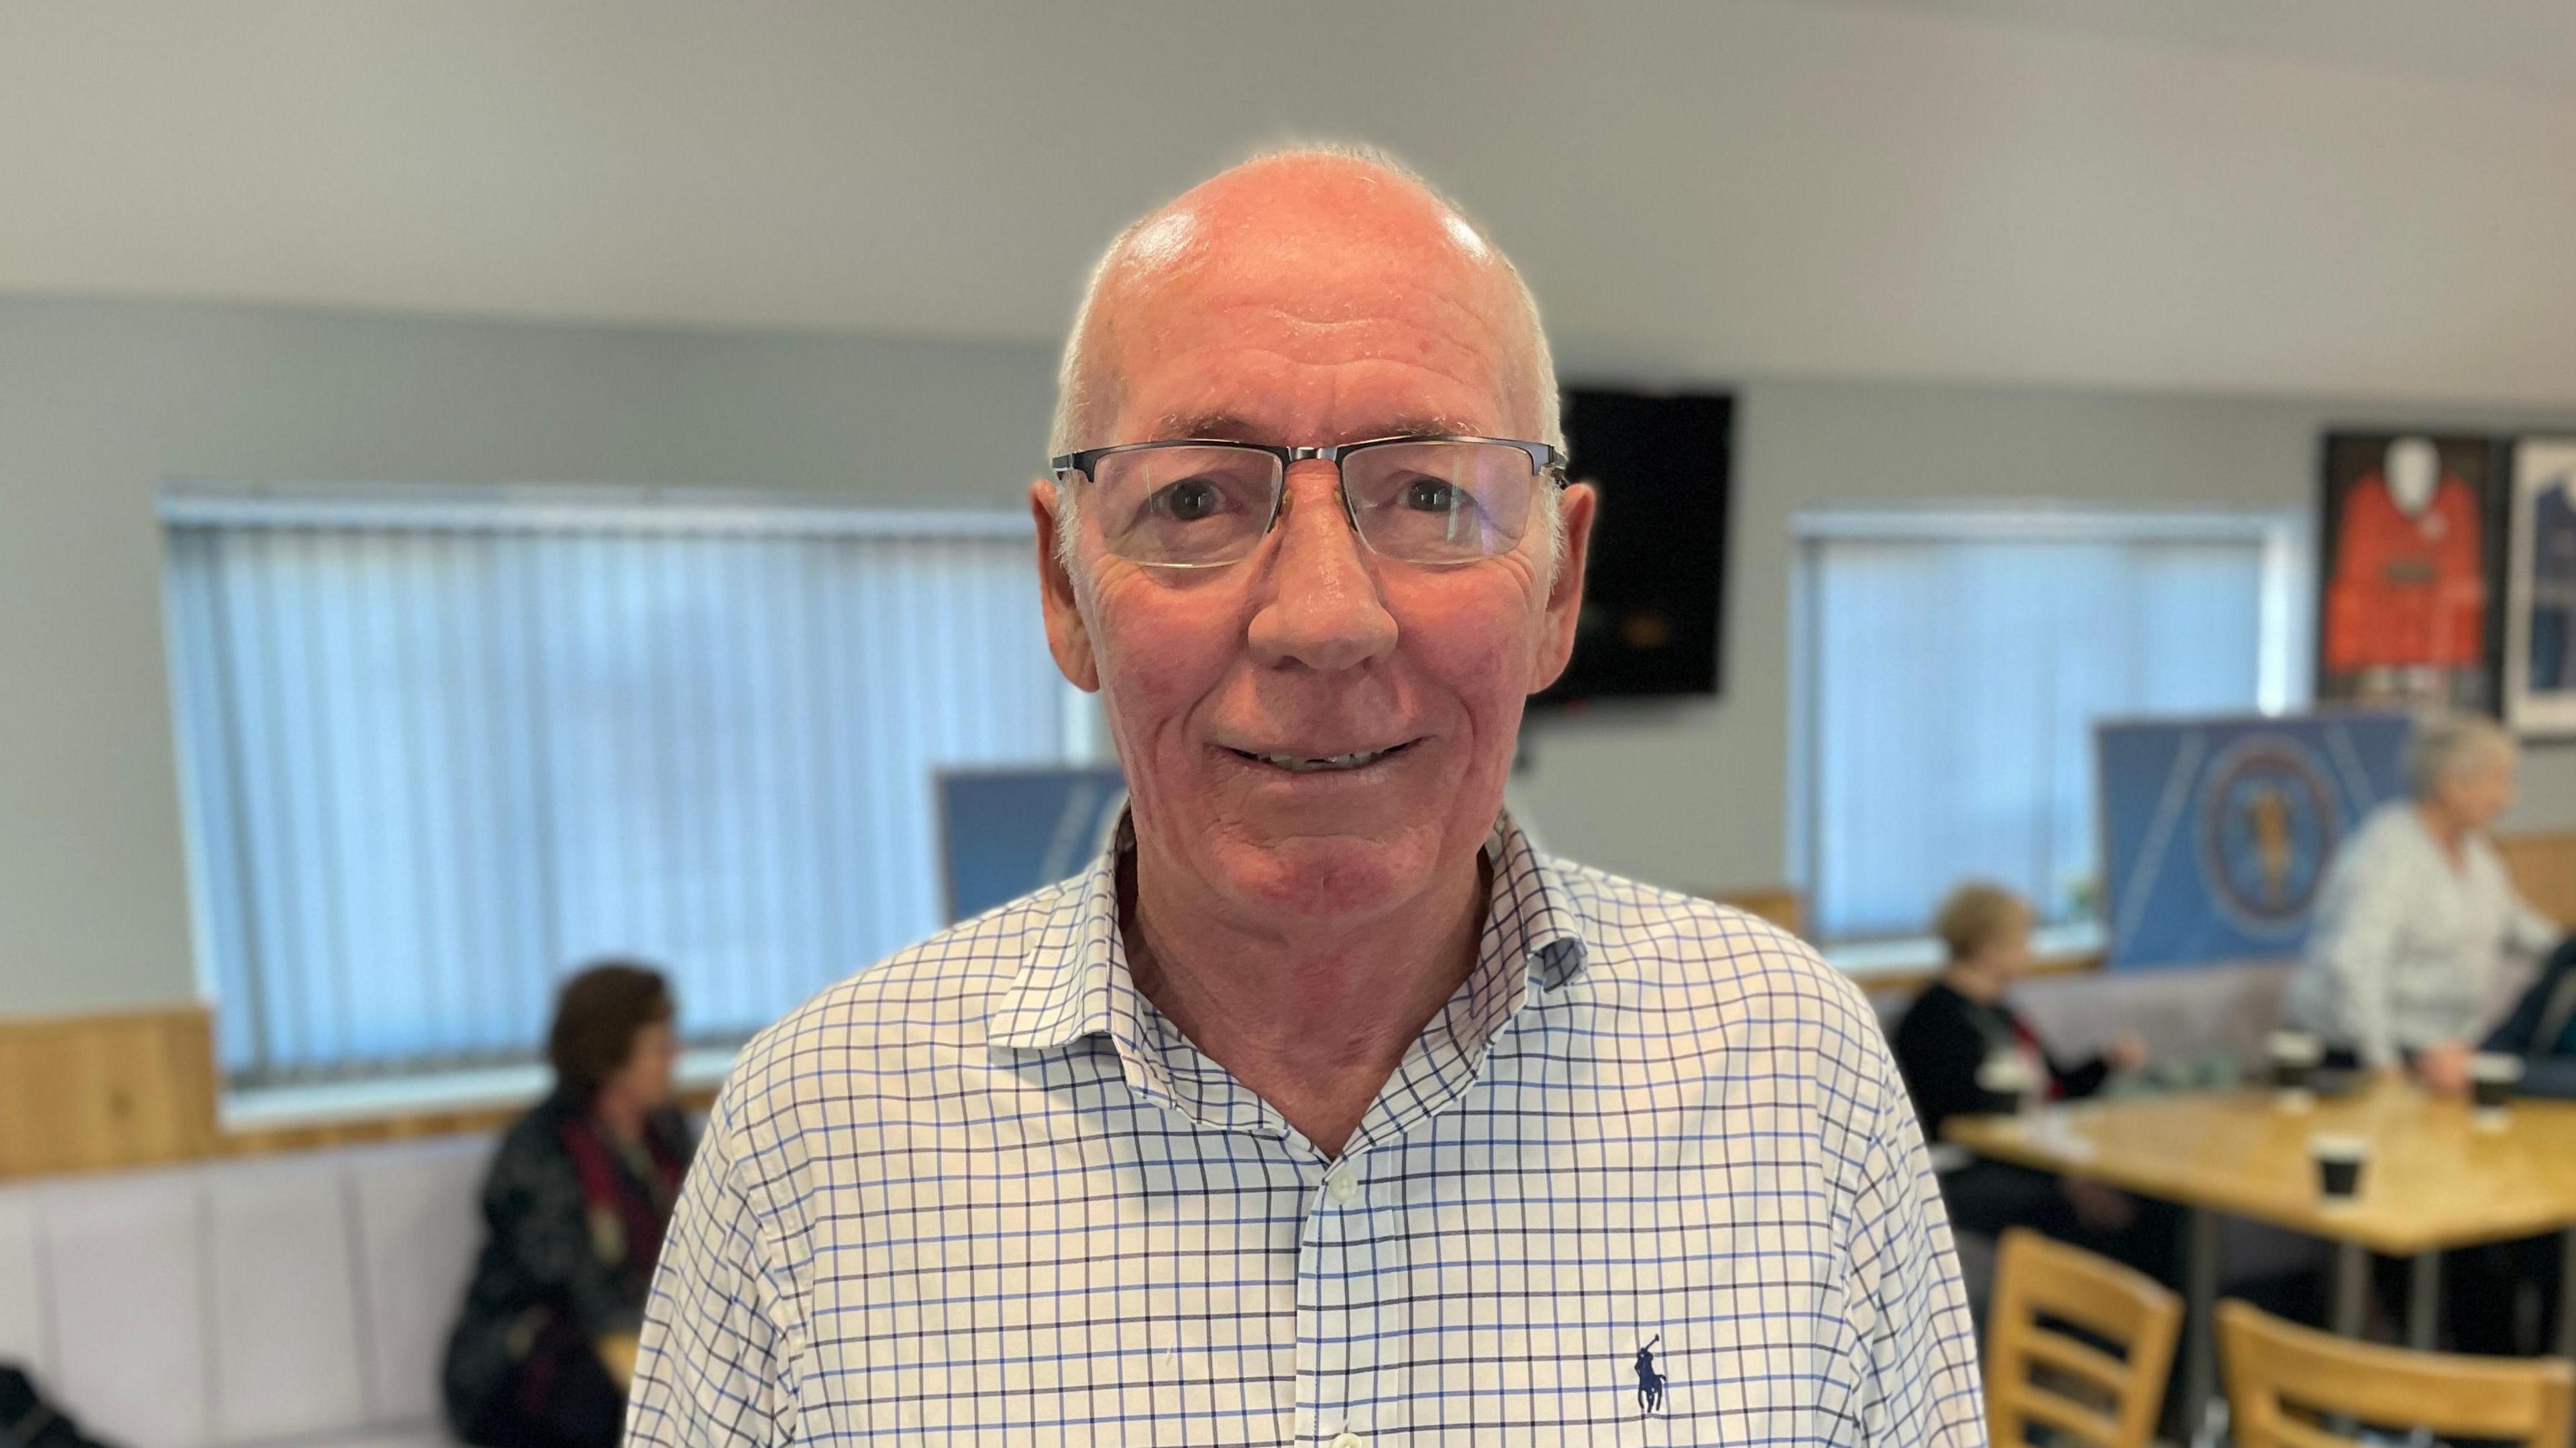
(2436,1180)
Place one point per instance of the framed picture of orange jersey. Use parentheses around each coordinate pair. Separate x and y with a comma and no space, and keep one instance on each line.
(2540,590)
(2410,565)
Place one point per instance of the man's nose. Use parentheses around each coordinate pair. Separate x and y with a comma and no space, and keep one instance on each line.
(1320,606)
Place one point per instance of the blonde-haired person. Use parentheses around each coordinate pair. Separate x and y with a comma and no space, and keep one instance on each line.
(1958,1029)
(2416,913)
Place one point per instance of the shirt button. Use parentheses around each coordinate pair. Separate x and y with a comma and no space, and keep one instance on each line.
(1347,1440)
(1342,1185)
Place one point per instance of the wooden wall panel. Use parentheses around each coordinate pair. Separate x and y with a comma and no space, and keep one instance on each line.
(95,1093)
(396,1126)
(2544,867)
(82,1093)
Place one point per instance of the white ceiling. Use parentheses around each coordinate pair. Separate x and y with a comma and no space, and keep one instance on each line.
(2358,196)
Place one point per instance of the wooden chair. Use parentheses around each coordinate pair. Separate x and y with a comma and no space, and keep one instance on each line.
(2040,1374)
(2283,1378)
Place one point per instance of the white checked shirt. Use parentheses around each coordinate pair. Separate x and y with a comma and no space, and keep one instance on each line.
(985,1193)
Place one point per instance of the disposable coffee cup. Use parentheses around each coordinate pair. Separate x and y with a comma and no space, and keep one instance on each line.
(2340,1159)
(2006,1075)
(2492,1077)
(2294,1056)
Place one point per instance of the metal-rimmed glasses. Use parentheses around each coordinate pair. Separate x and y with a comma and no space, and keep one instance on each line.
(1434,499)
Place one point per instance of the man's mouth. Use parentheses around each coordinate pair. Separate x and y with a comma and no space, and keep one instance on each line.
(1320,764)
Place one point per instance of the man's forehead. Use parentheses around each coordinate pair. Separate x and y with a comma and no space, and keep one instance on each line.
(1242,350)
(1320,266)
(1306,390)
(1308,299)
(1236,427)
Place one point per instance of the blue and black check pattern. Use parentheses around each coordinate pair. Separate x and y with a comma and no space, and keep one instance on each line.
(984,1192)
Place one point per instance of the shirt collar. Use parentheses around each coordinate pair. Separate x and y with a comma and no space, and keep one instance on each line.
(1073,980)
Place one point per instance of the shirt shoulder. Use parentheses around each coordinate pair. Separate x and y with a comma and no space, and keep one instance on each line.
(924,1004)
(1936,1010)
(1732,971)
(1649,933)
(2487,860)
(2390,832)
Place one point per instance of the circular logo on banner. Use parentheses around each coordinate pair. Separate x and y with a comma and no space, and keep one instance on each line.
(2268,820)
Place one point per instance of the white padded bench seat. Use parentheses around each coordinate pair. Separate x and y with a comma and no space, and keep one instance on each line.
(219,1304)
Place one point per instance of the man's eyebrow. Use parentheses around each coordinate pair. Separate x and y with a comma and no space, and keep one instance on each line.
(1424,425)
(1206,424)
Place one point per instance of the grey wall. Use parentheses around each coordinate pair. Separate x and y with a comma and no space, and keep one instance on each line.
(1697,795)
(100,402)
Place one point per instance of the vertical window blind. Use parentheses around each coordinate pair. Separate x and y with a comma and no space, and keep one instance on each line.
(1952,669)
(439,749)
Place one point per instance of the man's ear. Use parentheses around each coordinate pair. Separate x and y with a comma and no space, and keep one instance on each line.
(1067,638)
(1565,592)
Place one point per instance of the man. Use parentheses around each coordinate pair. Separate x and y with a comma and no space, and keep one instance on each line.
(1323,1109)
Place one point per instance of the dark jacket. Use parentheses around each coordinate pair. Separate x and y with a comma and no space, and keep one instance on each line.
(2542,1028)
(1943,1040)
(572,1225)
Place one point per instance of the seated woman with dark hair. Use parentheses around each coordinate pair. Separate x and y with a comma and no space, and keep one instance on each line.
(576,1203)
(1959,1036)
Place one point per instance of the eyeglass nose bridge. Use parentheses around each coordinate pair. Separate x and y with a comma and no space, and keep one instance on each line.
(1331,457)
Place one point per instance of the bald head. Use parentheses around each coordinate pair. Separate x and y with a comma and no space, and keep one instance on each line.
(1313,238)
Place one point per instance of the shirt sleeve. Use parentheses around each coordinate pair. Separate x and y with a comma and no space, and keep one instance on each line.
(2527,931)
(2520,1029)
(713,1368)
(2085,1078)
(2357,945)
(1922,1386)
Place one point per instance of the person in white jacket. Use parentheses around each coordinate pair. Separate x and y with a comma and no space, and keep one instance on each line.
(2417,914)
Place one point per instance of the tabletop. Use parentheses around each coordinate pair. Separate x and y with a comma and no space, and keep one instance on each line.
(2436,1178)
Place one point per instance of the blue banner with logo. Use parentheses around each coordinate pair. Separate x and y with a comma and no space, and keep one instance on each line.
(1005,832)
(2217,832)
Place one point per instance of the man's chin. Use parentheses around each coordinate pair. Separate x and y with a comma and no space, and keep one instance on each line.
(1324,876)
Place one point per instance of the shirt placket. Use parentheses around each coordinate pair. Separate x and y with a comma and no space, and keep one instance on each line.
(1336,1298)
(1347,1307)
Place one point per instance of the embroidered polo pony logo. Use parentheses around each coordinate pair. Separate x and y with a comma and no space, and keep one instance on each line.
(1650,1383)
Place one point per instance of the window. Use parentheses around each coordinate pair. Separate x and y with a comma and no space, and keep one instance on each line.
(441,747)
(1950,669)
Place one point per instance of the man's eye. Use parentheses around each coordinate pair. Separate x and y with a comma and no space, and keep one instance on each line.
(1188,500)
(1431,495)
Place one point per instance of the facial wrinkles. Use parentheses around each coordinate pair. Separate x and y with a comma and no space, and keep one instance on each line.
(1328,367)
(1306,340)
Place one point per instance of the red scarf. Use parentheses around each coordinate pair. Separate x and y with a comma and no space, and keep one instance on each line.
(635,1217)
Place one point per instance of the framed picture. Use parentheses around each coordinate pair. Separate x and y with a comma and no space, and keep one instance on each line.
(2410,568)
(2540,590)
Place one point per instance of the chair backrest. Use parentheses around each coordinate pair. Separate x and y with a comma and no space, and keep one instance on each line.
(2282,1379)
(2075,1345)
